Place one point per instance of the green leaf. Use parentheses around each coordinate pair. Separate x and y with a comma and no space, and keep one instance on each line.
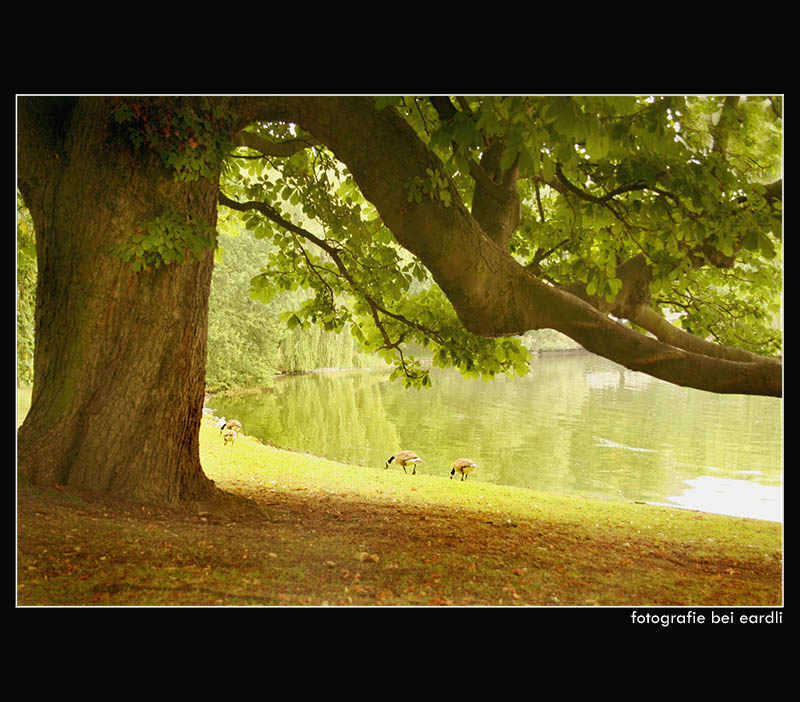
(508,157)
(597,144)
(566,152)
(388,101)
(464,133)
(527,164)
(766,247)
(561,111)
(440,139)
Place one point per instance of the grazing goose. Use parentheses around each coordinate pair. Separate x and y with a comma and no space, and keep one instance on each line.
(234,424)
(224,424)
(405,457)
(464,466)
(229,435)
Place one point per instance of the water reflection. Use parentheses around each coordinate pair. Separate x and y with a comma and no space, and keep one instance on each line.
(737,498)
(578,424)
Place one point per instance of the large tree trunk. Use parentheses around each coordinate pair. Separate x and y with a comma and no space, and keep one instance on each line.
(119,366)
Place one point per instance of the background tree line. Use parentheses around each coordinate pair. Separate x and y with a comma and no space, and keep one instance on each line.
(249,341)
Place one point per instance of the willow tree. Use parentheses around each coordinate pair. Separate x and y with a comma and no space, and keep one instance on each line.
(646,229)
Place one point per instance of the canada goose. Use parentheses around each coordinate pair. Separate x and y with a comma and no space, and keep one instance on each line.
(405,457)
(229,435)
(464,466)
(234,424)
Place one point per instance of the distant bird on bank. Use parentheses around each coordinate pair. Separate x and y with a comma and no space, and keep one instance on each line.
(230,435)
(464,466)
(405,457)
(234,424)
(224,424)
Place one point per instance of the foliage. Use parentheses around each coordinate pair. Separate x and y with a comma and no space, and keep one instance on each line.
(684,181)
(191,137)
(434,186)
(328,240)
(243,337)
(248,343)
(26,293)
(313,348)
(170,238)
(680,179)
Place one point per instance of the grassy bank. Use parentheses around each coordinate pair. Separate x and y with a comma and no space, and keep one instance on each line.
(331,534)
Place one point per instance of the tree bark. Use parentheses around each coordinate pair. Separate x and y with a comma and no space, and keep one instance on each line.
(633,303)
(119,366)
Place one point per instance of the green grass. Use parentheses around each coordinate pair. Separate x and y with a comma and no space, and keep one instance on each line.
(336,534)
(612,548)
(250,463)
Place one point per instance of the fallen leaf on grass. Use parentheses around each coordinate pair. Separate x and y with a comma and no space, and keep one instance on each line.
(440,601)
(513,592)
(364,556)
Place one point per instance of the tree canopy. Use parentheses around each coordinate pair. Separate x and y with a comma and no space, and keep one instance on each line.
(662,213)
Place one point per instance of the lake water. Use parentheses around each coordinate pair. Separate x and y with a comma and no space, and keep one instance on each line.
(576,425)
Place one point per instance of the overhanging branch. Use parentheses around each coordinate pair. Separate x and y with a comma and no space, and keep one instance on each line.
(279,149)
(376,308)
(491,292)
(633,303)
(656,324)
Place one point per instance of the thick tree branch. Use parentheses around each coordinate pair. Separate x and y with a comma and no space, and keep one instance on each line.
(274,148)
(649,319)
(491,292)
(633,303)
(495,202)
(721,130)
